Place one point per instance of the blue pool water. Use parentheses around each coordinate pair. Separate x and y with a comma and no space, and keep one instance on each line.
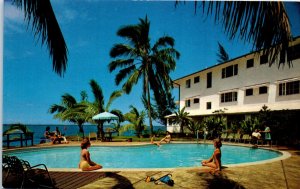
(148,156)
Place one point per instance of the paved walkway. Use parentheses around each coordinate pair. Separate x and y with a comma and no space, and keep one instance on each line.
(280,175)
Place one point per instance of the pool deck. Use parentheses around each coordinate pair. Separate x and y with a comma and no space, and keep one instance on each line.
(278,174)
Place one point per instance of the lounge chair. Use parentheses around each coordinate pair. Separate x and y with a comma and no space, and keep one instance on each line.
(230,137)
(224,136)
(237,137)
(246,137)
(93,135)
(18,173)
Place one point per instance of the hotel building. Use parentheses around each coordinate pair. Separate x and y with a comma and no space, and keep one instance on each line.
(242,86)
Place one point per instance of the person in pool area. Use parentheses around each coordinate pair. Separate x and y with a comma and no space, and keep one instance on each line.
(215,160)
(167,139)
(51,136)
(86,164)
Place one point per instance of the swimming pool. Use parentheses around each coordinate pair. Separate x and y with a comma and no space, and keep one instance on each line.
(146,156)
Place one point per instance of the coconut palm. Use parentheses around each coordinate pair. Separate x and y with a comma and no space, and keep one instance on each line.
(71,110)
(17,127)
(97,106)
(40,15)
(117,126)
(222,54)
(137,60)
(265,24)
(182,119)
(136,121)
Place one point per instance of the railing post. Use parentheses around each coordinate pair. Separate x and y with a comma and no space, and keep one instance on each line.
(21,139)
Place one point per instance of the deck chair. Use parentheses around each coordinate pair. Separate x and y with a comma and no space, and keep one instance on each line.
(93,135)
(18,173)
(224,136)
(246,137)
(237,137)
(230,137)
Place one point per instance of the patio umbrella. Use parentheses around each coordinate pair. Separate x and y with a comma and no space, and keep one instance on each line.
(105,116)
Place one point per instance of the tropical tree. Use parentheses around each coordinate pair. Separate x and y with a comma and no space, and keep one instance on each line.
(195,126)
(222,54)
(136,121)
(97,106)
(17,127)
(215,124)
(263,23)
(182,119)
(117,125)
(137,60)
(71,110)
(40,15)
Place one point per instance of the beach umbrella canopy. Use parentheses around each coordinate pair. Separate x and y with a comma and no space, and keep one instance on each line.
(105,116)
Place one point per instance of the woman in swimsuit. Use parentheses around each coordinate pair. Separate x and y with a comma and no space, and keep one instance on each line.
(86,164)
(215,160)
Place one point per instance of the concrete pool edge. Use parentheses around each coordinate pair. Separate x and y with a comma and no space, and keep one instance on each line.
(284,155)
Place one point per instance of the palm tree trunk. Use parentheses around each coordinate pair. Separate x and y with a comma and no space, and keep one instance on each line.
(100,130)
(149,105)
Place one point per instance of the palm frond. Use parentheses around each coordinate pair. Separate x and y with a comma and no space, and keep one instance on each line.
(112,97)
(222,54)
(68,100)
(120,50)
(120,63)
(266,24)
(45,26)
(123,73)
(56,108)
(132,80)
(98,95)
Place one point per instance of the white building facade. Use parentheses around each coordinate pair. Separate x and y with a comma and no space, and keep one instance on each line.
(242,86)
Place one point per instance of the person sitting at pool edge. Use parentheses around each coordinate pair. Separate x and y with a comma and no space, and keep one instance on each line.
(86,164)
(51,136)
(167,139)
(215,160)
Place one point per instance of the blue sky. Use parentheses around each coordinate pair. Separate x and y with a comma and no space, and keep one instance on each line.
(30,86)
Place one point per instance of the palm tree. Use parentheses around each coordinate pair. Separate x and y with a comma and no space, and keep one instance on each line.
(136,121)
(182,119)
(265,24)
(137,60)
(17,127)
(45,27)
(97,106)
(117,126)
(222,54)
(70,110)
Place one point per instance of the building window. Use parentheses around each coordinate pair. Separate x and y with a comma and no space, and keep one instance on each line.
(208,105)
(264,59)
(196,79)
(289,88)
(293,53)
(263,90)
(250,63)
(229,97)
(230,71)
(249,92)
(188,83)
(209,80)
(196,100)
(187,103)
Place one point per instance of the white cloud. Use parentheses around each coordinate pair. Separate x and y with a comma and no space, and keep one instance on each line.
(12,13)
(13,18)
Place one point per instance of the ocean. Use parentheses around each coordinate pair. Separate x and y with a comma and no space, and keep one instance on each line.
(71,130)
